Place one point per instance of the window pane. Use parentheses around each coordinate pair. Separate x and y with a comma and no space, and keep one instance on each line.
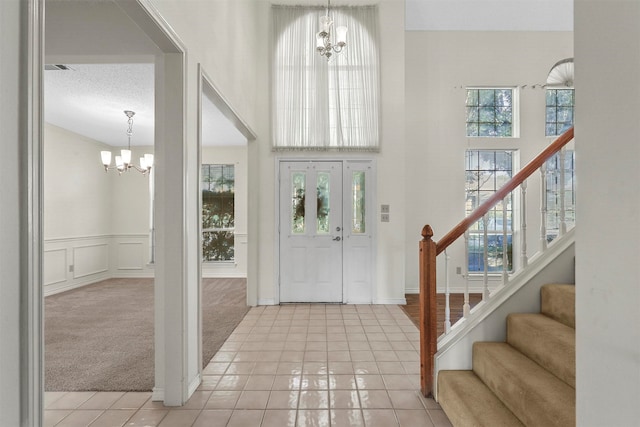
(487,114)
(218,212)
(472,114)
(492,116)
(487,171)
(217,245)
(495,250)
(487,97)
(358,195)
(298,182)
(559,111)
(472,97)
(323,208)
(553,195)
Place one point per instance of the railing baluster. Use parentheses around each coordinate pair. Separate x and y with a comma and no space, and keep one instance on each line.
(447,309)
(485,289)
(543,207)
(466,308)
(505,246)
(563,219)
(523,225)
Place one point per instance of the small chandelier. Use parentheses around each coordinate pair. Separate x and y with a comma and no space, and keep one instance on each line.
(323,38)
(123,161)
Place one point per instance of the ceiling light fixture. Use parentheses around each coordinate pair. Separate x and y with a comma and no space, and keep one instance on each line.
(123,161)
(323,37)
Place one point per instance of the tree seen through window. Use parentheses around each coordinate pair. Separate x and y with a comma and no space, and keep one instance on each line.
(218,217)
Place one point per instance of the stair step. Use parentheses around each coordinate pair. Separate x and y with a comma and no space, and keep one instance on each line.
(558,301)
(533,394)
(547,342)
(468,402)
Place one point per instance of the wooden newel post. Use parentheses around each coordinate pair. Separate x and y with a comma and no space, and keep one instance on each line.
(428,314)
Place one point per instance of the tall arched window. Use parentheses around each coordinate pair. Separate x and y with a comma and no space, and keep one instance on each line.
(320,104)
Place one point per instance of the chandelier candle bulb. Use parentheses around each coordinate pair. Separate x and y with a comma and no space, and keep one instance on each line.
(325,24)
(106,158)
(341,36)
(148,158)
(126,156)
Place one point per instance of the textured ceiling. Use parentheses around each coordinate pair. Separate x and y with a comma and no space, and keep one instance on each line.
(90,99)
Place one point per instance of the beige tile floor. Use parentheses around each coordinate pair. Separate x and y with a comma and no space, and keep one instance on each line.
(292,365)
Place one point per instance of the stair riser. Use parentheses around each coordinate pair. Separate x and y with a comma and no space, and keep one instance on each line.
(545,341)
(558,302)
(468,402)
(534,395)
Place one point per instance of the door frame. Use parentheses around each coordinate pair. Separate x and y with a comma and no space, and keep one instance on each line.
(371,215)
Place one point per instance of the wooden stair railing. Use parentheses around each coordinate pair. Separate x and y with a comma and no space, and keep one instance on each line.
(430,249)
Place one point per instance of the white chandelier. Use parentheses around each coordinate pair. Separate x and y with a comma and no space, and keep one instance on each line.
(323,37)
(123,161)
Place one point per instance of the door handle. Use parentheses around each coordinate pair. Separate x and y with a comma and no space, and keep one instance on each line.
(337,239)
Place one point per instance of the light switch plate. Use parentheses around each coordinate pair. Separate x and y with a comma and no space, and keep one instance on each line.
(384,217)
(384,209)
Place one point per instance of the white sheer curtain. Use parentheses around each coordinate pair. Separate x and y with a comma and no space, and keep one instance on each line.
(320,105)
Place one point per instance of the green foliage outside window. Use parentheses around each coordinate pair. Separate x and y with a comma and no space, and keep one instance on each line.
(218,218)
(489,113)
(559,111)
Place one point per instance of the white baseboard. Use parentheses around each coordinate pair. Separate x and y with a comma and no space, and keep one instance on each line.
(194,385)
(412,290)
(397,301)
(266,301)
(157,394)
(66,286)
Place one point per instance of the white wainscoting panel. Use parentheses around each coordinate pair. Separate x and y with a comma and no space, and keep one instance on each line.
(90,260)
(78,261)
(55,266)
(74,261)
(129,256)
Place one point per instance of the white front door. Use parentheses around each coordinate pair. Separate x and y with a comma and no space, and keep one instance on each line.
(311,237)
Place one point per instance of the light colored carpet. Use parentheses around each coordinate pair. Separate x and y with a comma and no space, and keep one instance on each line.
(100,337)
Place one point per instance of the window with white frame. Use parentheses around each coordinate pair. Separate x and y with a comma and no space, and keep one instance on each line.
(491,112)
(559,111)
(560,198)
(320,104)
(486,172)
(218,212)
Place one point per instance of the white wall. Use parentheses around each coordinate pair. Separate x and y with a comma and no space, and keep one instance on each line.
(96,224)
(439,67)
(607,43)
(236,156)
(390,174)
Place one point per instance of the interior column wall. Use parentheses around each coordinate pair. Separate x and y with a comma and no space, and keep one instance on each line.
(21,361)
(607,42)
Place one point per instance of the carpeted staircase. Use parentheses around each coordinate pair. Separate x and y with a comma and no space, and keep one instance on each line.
(529,380)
